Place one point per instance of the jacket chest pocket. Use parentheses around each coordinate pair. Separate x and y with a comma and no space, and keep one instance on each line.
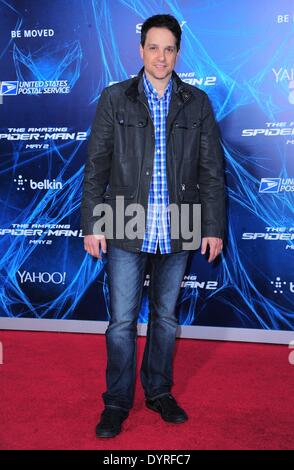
(119,191)
(187,125)
(130,137)
(190,193)
(186,138)
(125,120)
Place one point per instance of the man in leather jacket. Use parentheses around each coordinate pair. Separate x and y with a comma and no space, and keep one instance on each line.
(154,144)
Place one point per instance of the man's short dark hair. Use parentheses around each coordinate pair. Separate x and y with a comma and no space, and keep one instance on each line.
(162,21)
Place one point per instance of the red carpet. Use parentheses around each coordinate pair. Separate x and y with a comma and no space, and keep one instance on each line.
(237,395)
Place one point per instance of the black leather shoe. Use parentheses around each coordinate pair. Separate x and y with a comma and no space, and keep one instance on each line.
(168,408)
(110,422)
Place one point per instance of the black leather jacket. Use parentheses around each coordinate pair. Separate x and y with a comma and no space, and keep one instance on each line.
(121,153)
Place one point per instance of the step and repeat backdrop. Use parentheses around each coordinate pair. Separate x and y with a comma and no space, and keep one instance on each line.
(55,58)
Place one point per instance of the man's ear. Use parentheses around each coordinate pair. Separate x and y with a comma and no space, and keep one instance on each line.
(141,51)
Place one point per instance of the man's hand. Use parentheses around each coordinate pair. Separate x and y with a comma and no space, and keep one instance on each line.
(92,245)
(215,247)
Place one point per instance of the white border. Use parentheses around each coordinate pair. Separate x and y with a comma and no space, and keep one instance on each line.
(196,332)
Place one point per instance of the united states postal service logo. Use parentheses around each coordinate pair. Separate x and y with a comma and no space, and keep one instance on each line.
(269,185)
(8,88)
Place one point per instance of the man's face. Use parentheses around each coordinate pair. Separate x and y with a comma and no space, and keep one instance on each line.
(159,53)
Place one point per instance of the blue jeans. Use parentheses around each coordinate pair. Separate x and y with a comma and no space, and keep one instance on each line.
(126,275)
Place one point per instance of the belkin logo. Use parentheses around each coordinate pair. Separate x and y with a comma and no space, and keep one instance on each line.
(23,183)
(45,184)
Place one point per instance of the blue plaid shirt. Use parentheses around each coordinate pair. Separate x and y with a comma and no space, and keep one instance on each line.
(158,222)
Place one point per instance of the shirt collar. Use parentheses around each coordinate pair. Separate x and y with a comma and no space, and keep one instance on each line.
(150,90)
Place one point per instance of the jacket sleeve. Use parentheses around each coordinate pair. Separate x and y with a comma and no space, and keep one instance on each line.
(211,177)
(98,164)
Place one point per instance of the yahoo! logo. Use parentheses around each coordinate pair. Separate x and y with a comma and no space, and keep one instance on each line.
(287,74)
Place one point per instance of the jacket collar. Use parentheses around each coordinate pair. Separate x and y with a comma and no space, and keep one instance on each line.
(136,88)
